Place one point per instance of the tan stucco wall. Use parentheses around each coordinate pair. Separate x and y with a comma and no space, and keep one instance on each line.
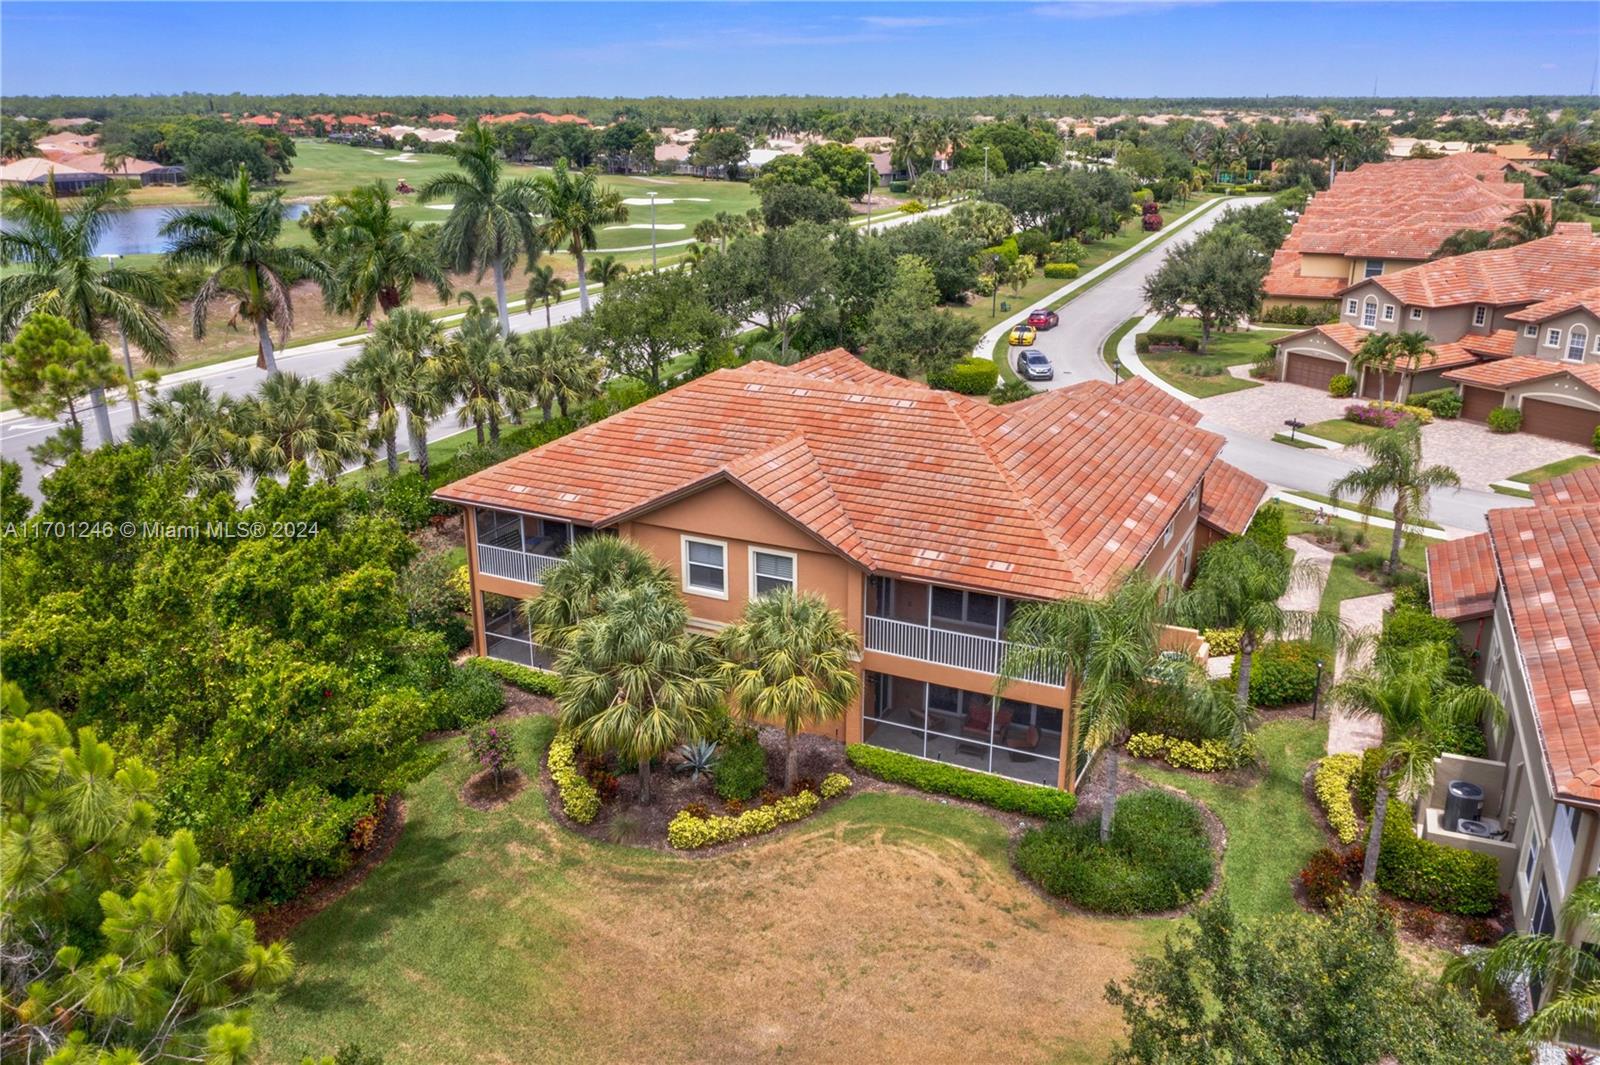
(1326,266)
(1560,390)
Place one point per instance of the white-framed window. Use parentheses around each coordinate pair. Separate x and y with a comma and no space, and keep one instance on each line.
(1564,839)
(1388,312)
(1369,313)
(1530,330)
(1416,314)
(705,567)
(1552,338)
(771,571)
(1577,343)
(1530,861)
(1480,315)
(1374,268)
(1351,306)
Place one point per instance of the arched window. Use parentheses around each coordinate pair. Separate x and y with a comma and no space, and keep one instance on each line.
(1369,313)
(1577,343)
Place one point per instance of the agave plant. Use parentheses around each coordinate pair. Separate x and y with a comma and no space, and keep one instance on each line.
(699,758)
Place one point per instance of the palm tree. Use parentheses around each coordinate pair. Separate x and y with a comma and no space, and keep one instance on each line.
(1385,351)
(378,378)
(1109,647)
(789,659)
(1396,469)
(1412,695)
(61,275)
(593,567)
(574,206)
(294,419)
(553,370)
(545,287)
(476,364)
(413,338)
(709,230)
(1238,585)
(1464,241)
(1560,962)
(1532,221)
(1561,138)
(606,270)
(491,221)
(374,258)
(635,682)
(191,425)
(237,235)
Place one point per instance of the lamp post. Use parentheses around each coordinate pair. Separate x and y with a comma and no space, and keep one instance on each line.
(127,358)
(652,229)
(1316,697)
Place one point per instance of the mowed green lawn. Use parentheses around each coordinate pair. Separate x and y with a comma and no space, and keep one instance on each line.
(1227,349)
(887,928)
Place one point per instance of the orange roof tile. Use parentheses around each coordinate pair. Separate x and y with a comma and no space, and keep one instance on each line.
(1497,345)
(1462,578)
(1503,373)
(1579,486)
(1055,496)
(1538,270)
(1229,498)
(1587,298)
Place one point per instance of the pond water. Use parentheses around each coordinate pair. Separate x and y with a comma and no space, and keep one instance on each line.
(137,231)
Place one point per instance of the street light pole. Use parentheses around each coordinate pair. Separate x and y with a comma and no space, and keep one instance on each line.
(652,229)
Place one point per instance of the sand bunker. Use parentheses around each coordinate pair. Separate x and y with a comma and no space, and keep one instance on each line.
(644,201)
(646,225)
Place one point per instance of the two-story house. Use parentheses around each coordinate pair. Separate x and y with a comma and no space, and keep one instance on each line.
(924,517)
(1381,218)
(1526,598)
(1512,327)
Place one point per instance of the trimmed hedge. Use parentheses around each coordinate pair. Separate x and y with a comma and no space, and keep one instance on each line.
(688,832)
(1441,878)
(1036,800)
(1298,315)
(1341,385)
(1061,271)
(1165,338)
(1158,857)
(533,681)
(1206,756)
(1222,641)
(470,695)
(1282,673)
(1443,402)
(741,772)
(1332,781)
(1270,527)
(578,798)
(1505,420)
(970,377)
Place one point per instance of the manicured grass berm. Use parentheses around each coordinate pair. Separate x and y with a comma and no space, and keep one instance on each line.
(1002,794)
(1158,857)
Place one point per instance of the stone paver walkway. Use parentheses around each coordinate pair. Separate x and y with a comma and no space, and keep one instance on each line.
(1353,733)
(1306,595)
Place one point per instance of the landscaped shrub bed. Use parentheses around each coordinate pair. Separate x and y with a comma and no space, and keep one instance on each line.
(1505,420)
(1282,673)
(692,829)
(1061,271)
(579,799)
(533,681)
(1385,415)
(741,772)
(1299,315)
(1442,878)
(1158,857)
(1166,339)
(470,695)
(1032,799)
(970,377)
(1443,402)
(1205,756)
(1341,385)
(1332,782)
(1221,641)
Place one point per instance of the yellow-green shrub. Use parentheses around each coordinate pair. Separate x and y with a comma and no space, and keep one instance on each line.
(835,784)
(688,832)
(578,797)
(460,582)
(1222,641)
(1206,756)
(1331,783)
(1421,414)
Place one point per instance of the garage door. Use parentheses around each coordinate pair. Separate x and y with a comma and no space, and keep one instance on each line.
(1389,382)
(1476,403)
(1299,369)
(1559,421)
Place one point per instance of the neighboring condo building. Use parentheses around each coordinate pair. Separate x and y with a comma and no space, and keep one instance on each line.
(924,517)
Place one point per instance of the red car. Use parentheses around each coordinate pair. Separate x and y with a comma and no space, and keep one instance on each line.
(1043,319)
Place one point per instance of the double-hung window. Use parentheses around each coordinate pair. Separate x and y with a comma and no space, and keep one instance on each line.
(705,567)
(1351,306)
(1564,840)
(1552,338)
(1374,267)
(1577,343)
(1416,314)
(1388,312)
(1369,313)
(1530,862)
(770,571)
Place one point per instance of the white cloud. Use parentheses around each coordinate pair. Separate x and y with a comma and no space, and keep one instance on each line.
(1099,9)
(909,22)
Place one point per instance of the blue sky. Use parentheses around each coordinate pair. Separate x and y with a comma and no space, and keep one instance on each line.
(619,49)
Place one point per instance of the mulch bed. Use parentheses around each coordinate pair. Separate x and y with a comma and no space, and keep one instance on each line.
(481,793)
(277,922)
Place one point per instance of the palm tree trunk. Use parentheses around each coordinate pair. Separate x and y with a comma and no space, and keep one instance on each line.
(1331,163)
(500,297)
(1399,532)
(392,452)
(583,280)
(417,429)
(1380,809)
(1109,803)
(1247,647)
(477,423)
(264,336)
(547,314)
(494,427)
(127,364)
(788,761)
(102,417)
(644,781)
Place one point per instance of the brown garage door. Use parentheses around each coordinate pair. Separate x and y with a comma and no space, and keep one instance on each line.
(1389,382)
(1299,369)
(1476,403)
(1575,424)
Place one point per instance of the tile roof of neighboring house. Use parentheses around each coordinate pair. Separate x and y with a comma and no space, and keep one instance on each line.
(1587,298)
(1055,496)
(67,142)
(1537,270)
(443,118)
(1229,498)
(1398,210)
(357,120)
(1349,339)
(260,120)
(1343,334)
(1521,369)
(1461,577)
(1548,560)
(1579,486)
(35,168)
(1441,357)
(1497,345)
(672,153)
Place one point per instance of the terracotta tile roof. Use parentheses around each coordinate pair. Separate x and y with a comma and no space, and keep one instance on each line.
(1053,497)
(1141,394)
(1462,578)
(1229,498)
(1503,373)
(1579,486)
(1587,298)
(1548,558)
(1538,270)
(1497,345)
(1347,337)
(1284,279)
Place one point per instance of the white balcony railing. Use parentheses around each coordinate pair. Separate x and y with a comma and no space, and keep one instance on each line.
(513,564)
(982,654)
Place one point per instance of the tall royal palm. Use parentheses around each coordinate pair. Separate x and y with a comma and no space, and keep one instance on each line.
(236,234)
(491,219)
(1398,470)
(788,659)
(415,338)
(61,275)
(375,258)
(575,205)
